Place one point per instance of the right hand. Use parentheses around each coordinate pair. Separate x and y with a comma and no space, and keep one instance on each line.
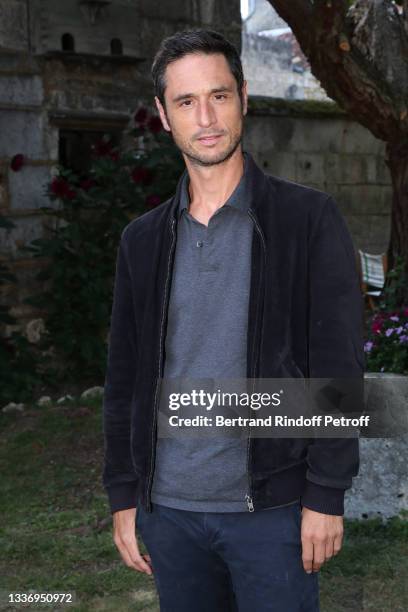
(124,536)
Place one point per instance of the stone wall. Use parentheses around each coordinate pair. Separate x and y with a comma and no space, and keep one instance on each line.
(44,90)
(317,144)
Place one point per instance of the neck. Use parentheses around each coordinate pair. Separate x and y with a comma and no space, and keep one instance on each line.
(210,187)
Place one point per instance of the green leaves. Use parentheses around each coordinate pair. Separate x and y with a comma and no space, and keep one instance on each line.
(87,219)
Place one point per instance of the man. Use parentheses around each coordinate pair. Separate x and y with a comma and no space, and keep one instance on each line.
(239,274)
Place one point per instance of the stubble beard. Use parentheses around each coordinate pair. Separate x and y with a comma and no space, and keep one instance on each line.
(200,159)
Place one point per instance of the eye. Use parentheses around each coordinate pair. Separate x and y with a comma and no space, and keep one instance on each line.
(220,95)
(185,101)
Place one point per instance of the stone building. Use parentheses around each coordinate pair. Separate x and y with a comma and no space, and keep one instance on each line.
(71,71)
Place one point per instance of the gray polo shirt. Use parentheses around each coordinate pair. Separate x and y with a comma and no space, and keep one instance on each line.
(207,338)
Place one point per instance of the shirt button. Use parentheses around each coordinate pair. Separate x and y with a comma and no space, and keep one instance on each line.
(199,243)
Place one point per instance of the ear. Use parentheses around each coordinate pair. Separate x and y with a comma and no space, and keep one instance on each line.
(162,114)
(244,97)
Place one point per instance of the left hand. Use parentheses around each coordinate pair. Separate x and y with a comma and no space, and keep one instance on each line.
(322,537)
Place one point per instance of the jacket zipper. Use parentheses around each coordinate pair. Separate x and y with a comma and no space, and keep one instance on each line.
(160,371)
(248,496)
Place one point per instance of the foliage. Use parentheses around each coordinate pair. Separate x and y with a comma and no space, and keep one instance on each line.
(387,343)
(17,359)
(87,219)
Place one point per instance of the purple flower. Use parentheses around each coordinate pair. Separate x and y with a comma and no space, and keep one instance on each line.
(399,330)
(368,346)
(394,318)
(389,331)
(403,339)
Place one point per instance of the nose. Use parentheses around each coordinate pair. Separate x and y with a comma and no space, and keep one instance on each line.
(205,114)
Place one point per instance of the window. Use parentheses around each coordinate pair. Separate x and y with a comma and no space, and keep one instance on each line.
(116,46)
(67,42)
(75,147)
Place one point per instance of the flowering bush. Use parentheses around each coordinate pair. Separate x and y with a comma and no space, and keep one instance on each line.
(86,223)
(17,361)
(386,347)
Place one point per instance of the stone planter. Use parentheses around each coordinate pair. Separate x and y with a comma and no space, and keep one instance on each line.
(381,487)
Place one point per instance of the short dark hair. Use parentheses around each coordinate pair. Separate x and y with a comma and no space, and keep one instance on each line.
(185,42)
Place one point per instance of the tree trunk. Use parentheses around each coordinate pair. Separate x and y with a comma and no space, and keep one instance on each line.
(359,53)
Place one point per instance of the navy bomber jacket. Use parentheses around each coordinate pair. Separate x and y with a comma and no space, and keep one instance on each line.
(305,319)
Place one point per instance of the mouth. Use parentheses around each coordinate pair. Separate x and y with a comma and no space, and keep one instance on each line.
(209,140)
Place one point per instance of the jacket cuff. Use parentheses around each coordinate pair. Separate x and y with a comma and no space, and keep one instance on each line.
(122,496)
(327,500)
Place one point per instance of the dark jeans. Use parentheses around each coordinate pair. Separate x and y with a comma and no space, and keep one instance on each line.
(228,562)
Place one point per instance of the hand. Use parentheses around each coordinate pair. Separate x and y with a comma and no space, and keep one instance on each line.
(322,536)
(124,536)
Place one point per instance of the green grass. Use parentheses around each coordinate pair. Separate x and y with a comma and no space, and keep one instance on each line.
(56,529)
(56,532)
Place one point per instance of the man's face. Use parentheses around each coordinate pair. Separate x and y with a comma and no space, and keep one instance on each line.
(202,100)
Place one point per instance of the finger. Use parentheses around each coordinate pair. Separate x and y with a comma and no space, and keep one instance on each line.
(337,543)
(319,549)
(129,550)
(307,555)
(329,549)
(124,554)
(137,559)
(149,561)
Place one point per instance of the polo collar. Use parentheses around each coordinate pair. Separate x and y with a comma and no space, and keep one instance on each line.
(239,198)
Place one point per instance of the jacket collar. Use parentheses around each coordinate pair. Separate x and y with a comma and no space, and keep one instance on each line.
(255,184)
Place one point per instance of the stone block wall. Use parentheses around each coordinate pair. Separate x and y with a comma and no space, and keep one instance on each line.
(317,144)
(44,90)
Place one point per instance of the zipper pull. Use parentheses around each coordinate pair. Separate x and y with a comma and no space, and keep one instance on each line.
(249,502)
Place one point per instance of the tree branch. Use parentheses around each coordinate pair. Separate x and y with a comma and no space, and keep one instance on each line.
(298,14)
(360,56)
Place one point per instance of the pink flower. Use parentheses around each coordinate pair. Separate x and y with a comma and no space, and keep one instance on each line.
(376,327)
(102,148)
(61,189)
(142,175)
(154,124)
(86,184)
(17,162)
(152,201)
(140,115)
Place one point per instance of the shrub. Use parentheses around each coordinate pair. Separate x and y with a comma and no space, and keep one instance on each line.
(387,339)
(84,233)
(17,360)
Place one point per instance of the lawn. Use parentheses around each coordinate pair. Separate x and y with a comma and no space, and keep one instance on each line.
(55,533)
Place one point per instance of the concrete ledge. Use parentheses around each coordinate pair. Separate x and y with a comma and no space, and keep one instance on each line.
(265,105)
(381,487)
